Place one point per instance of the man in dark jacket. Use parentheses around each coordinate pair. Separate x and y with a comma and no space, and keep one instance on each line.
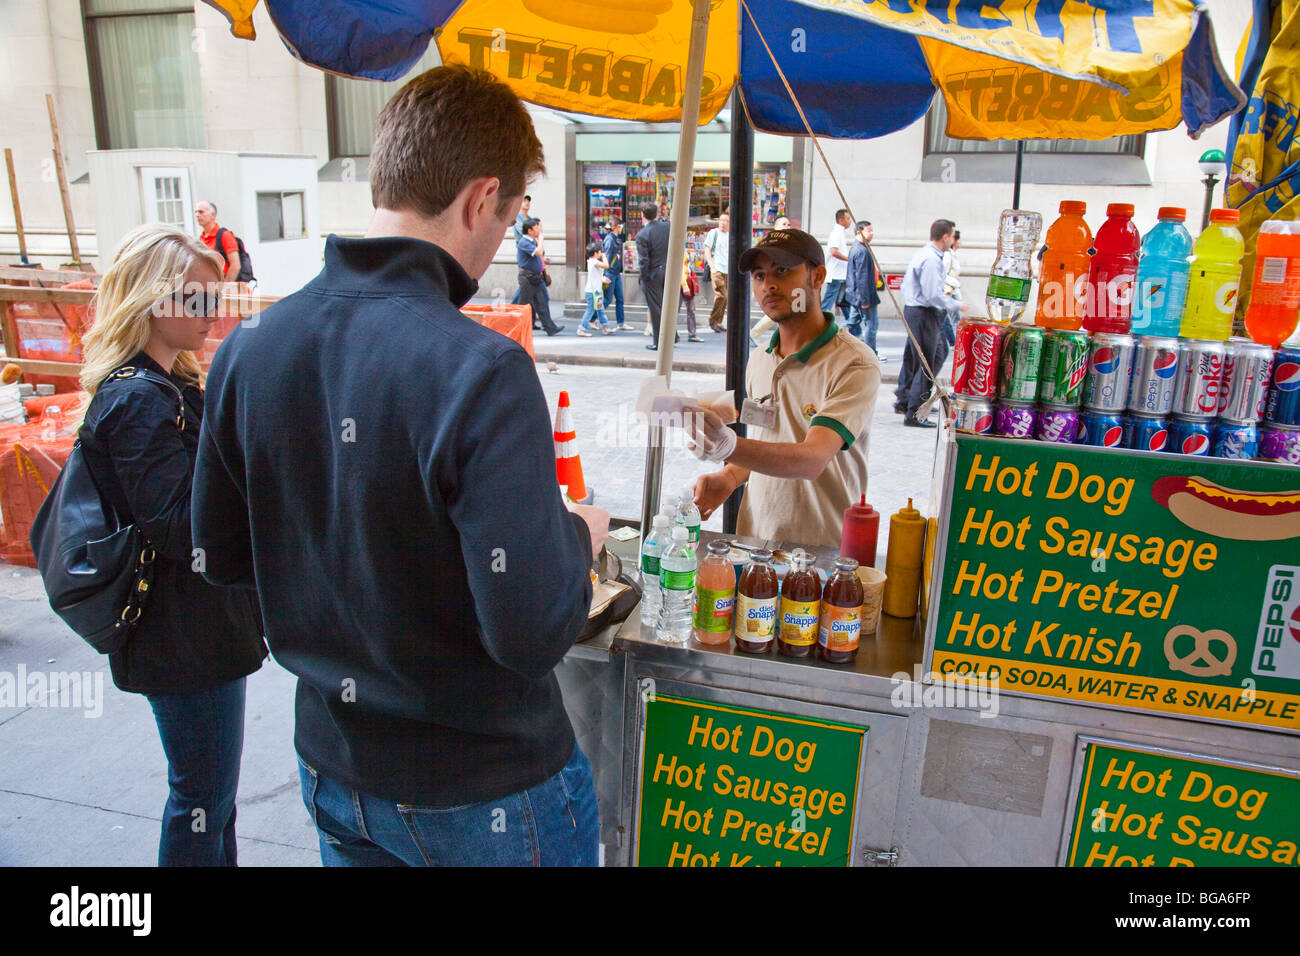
(383,467)
(612,247)
(652,259)
(863,297)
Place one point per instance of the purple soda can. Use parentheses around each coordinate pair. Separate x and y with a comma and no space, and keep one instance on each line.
(1247,370)
(1278,443)
(974,416)
(1101,429)
(1015,419)
(1110,369)
(1284,392)
(1057,424)
(1189,436)
(1234,440)
(1199,378)
(1146,433)
(1155,365)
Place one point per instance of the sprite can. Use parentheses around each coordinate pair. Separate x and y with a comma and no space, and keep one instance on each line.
(1022,363)
(1065,367)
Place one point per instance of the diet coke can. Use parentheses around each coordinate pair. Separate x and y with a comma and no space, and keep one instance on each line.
(1199,379)
(974,416)
(1278,443)
(1155,364)
(1057,424)
(976,354)
(1015,420)
(1146,433)
(1110,369)
(1234,440)
(1189,436)
(1247,369)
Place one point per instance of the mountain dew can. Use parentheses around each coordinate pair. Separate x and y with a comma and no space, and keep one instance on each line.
(1065,367)
(1022,363)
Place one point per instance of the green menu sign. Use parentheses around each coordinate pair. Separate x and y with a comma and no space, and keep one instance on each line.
(727,786)
(1138,807)
(1162,583)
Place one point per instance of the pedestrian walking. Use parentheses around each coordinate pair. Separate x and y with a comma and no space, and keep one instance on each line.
(532,278)
(861,287)
(925,306)
(612,247)
(690,287)
(837,265)
(594,292)
(652,257)
(717,254)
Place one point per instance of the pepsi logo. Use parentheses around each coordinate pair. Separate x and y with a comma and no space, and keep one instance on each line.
(1286,377)
(984,424)
(1165,364)
(1113,438)
(1156,440)
(1295,623)
(1195,445)
(1105,360)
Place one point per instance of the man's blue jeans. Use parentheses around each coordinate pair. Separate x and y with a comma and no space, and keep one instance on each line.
(860,317)
(614,293)
(203,737)
(552,824)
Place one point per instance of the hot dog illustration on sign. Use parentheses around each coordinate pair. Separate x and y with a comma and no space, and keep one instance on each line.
(1229,512)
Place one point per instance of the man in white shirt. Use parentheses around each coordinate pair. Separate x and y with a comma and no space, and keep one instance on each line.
(925,308)
(717,252)
(837,265)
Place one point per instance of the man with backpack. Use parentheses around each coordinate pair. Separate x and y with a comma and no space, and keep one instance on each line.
(239,267)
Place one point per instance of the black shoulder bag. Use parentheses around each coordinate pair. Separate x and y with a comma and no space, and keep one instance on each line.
(96,566)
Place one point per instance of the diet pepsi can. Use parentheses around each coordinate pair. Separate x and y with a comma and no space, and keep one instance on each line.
(1284,391)
(1199,378)
(1015,420)
(1234,440)
(1188,436)
(1057,424)
(1247,370)
(1155,364)
(1101,429)
(1146,433)
(1278,443)
(1110,368)
(974,416)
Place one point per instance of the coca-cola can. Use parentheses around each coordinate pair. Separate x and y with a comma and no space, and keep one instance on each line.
(972,415)
(1247,370)
(1110,368)
(1015,419)
(975,357)
(1155,368)
(1057,424)
(1199,379)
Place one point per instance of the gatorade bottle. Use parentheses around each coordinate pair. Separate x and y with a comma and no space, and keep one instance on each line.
(1066,265)
(1162,275)
(1275,293)
(1216,275)
(1114,271)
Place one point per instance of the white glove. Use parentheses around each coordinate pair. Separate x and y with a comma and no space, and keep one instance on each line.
(710,439)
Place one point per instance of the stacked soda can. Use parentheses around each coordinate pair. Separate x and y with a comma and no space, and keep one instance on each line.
(1247,370)
(1060,385)
(1279,438)
(1198,387)
(1106,389)
(1016,415)
(976,355)
(1151,393)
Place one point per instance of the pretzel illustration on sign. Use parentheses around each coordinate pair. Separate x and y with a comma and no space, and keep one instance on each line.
(1202,661)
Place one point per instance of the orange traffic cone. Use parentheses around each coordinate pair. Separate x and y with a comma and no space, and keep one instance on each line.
(568,464)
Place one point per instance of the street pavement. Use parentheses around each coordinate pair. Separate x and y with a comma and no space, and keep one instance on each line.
(85,784)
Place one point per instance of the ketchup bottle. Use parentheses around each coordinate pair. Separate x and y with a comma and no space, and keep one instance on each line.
(861,528)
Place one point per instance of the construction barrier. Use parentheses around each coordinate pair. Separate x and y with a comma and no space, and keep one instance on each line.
(568,463)
(513,321)
(31,457)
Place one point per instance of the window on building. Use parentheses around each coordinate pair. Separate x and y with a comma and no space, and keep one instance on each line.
(280,216)
(166,194)
(354,105)
(937,142)
(144,73)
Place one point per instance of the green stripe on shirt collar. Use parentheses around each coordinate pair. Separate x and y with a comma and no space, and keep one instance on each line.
(805,353)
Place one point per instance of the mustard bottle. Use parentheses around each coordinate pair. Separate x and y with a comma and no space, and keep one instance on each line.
(903,562)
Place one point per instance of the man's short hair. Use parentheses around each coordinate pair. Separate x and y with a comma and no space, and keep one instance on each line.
(528,197)
(615,222)
(528,224)
(209,203)
(862,224)
(650,210)
(444,128)
(839,213)
(956,234)
(940,228)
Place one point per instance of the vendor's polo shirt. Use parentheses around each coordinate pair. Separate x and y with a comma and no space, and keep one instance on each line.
(831,381)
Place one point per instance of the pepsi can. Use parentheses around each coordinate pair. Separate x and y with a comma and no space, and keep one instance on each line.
(1146,433)
(973,416)
(1247,370)
(1188,436)
(1284,390)
(1101,429)
(1277,443)
(1057,424)
(1110,368)
(1155,365)
(1234,440)
(1199,378)
(1015,419)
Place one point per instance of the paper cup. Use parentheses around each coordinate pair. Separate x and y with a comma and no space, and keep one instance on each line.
(873,595)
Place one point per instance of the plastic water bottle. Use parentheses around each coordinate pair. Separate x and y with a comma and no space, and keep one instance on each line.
(652,549)
(690,514)
(677,578)
(1010,279)
(1162,275)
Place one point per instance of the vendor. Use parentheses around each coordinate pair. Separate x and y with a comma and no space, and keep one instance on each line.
(820,384)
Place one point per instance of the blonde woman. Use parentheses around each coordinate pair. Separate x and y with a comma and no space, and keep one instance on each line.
(195,643)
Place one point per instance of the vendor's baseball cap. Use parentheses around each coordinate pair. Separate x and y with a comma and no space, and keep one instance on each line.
(785,247)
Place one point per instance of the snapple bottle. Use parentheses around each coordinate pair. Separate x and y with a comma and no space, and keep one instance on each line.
(715,595)
(841,617)
(801,603)
(757,604)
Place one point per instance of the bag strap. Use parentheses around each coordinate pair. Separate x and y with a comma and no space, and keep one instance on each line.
(131,371)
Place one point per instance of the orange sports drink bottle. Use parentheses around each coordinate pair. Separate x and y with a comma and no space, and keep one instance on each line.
(1066,266)
(1275,292)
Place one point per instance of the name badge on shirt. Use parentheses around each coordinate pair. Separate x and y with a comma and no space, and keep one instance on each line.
(760,413)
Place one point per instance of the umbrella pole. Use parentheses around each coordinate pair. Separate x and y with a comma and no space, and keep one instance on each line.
(691,83)
(1020,160)
(739,239)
